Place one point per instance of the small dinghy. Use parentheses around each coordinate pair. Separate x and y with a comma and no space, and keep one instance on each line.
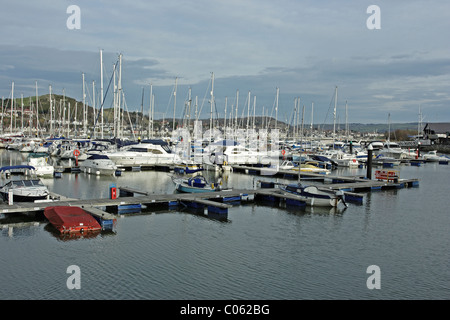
(197,184)
(68,219)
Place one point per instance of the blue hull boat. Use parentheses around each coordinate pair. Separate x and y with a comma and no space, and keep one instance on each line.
(197,184)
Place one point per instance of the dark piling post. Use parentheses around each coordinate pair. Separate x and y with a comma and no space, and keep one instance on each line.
(369,162)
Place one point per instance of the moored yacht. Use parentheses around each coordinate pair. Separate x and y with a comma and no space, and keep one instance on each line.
(25,189)
(40,164)
(99,164)
(146,153)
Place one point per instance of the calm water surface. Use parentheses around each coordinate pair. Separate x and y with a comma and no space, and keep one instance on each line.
(261,251)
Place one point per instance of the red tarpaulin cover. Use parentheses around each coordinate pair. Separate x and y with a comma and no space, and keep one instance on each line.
(71,219)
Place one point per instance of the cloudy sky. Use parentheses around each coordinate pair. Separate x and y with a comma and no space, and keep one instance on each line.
(304,48)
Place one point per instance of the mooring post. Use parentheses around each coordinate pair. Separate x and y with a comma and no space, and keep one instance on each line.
(369,162)
(10,197)
(418,150)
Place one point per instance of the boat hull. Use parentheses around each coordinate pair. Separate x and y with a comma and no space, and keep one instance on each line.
(188,189)
(314,197)
(22,198)
(69,219)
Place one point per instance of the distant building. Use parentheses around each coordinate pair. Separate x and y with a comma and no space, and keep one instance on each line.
(438,133)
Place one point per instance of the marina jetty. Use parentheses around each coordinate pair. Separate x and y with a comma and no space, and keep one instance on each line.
(105,210)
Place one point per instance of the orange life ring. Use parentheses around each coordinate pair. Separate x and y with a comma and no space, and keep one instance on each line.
(283,152)
(76,152)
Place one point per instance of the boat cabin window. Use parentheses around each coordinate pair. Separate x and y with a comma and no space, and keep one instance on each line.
(27,183)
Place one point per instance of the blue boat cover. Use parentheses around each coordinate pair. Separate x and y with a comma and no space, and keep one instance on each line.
(16,167)
(98,157)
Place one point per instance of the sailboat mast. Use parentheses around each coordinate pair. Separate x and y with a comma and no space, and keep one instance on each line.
(150,114)
(254,111)
(3,100)
(236,122)
(12,106)
(142,112)
(101,90)
(75,119)
(93,106)
(248,111)
(212,103)
(419,125)
(189,109)
(225,119)
(119,94)
(68,121)
(37,110)
(174,104)
(84,106)
(346,120)
(276,109)
(21,100)
(115,102)
(389,129)
(334,117)
(51,111)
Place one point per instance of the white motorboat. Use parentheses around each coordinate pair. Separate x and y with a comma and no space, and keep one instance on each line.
(308,166)
(196,184)
(98,164)
(15,144)
(392,150)
(41,165)
(69,149)
(23,189)
(231,155)
(29,144)
(312,196)
(385,161)
(146,153)
(341,158)
(432,156)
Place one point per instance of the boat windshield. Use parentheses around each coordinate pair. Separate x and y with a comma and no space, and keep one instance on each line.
(166,148)
(27,183)
(36,182)
(18,183)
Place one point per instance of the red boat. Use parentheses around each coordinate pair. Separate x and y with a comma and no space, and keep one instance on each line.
(67,219)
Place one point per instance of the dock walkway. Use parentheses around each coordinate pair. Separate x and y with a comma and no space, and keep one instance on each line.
(132,196)
(206,198)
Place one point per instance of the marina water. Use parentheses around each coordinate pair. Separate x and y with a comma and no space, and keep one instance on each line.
(261,251)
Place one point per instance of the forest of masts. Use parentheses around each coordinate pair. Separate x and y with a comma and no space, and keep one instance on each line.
(56,115)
